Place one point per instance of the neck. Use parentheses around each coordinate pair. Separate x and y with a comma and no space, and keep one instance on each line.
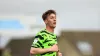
(50,29)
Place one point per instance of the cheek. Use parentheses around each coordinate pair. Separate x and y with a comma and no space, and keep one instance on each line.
(50,22)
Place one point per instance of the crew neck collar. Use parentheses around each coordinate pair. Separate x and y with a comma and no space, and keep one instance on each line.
(48,31)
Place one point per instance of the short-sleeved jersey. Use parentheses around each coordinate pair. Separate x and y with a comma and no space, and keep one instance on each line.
(45,39)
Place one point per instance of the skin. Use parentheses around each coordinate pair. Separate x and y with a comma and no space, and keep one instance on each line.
(51,25)
(50,22)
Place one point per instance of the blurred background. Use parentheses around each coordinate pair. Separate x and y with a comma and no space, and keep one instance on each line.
(78,26)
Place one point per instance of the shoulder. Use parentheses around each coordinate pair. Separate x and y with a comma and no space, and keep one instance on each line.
(41,34)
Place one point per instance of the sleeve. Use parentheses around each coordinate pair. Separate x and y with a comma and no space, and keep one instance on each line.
(56,40)
(38,42)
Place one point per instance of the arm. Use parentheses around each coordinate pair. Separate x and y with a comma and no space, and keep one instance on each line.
(38,50)
(59,53)
(41,51)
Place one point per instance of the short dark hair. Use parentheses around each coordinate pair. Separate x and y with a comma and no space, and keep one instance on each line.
(48,12)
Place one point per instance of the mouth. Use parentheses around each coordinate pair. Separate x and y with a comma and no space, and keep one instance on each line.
(54,23)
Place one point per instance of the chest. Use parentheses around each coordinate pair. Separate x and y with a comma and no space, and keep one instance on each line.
(49,41)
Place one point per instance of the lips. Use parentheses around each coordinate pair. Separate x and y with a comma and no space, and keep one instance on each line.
(54,23)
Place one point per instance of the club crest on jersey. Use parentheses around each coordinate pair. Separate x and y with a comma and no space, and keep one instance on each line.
(35,40)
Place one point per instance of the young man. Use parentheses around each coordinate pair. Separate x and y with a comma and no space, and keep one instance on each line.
(45,42)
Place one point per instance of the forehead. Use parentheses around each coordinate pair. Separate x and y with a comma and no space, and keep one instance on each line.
(52,15)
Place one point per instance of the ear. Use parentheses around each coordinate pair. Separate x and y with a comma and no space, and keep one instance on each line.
(45,21)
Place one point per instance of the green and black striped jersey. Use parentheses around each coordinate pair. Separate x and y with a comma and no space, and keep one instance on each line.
(45,39)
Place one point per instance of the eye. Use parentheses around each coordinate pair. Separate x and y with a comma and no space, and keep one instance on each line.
(51,17)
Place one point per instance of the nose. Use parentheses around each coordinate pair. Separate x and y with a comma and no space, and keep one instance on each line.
(54,19)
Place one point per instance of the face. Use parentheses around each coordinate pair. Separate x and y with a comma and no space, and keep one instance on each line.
(51,20)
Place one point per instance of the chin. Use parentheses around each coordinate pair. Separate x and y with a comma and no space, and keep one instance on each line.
(54,26)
